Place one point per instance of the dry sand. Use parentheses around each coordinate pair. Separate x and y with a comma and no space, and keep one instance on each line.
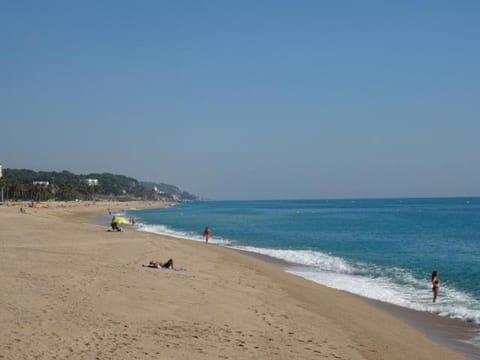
(72,290)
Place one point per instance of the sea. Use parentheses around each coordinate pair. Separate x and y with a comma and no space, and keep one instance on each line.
(381,249)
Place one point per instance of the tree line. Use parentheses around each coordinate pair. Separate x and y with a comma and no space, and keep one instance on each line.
(18,184)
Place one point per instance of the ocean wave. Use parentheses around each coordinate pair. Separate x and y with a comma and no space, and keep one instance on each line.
(164,230)
(304,257)
(415,294)
(392,285)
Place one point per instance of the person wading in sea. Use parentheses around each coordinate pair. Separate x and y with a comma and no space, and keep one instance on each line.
(206,234)
(435,286)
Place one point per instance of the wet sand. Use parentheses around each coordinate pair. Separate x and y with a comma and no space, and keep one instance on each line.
(456,334)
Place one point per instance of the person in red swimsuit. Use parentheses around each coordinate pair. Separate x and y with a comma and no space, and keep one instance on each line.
(206,234)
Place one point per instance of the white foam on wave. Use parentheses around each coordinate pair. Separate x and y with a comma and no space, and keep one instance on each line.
(392,285)
(304,257)
(475,341)
(164,230)
(451,303)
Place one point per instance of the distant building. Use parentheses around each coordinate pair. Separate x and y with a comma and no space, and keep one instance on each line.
(155,189)
(1,171)
(41,183)
(91,182)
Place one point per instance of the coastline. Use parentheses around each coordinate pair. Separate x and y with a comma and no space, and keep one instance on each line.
(452,333)
(79,291)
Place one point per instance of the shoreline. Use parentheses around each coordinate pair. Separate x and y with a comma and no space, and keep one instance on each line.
(455,334)
(78,291)
(452,333)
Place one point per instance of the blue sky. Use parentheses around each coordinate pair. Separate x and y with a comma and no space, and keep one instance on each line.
(247,99)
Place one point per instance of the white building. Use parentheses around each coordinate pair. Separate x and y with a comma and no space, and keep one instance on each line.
(41,183)
(1,172)
(91,182)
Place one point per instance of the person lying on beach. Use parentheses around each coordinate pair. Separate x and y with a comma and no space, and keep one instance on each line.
(159,264)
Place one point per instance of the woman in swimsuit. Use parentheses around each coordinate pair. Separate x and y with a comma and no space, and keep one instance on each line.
(206,234)
(435,286)
(159,264)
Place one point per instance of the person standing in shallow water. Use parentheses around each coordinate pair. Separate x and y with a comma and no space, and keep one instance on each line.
(435,285)
(206,234)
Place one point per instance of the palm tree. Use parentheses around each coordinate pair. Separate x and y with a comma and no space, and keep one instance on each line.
(66,192)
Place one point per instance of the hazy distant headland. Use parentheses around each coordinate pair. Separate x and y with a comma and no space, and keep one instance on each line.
(25,184)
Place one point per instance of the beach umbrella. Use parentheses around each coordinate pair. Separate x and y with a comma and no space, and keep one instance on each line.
(120,220)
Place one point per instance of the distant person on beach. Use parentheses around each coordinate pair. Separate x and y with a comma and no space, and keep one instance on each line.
(206,234)
(159,264)
(114,224)
(435,286)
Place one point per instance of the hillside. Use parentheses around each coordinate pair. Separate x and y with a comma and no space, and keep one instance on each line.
(25,184)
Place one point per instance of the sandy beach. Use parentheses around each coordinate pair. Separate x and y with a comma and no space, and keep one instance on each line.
(72,290)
